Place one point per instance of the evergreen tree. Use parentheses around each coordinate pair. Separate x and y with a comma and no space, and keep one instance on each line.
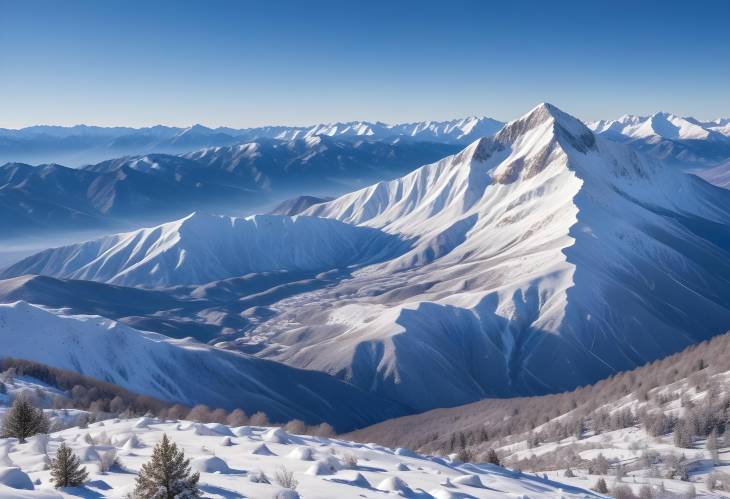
(493,458)
(23,420)
(66,470)
(601,486)
(167,475)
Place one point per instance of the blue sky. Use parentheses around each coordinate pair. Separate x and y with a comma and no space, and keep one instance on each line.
(295,62)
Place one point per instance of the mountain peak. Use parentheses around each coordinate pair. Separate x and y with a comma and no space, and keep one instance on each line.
(567,129)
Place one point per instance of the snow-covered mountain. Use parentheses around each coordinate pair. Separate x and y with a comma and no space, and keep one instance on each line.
(83,144)
(202,248)
(670,138)
(295,206)
(157,187)
(181,370)
(544,257)
(536,260)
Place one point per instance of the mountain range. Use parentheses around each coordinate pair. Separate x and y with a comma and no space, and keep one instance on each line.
(544,257)
(82,144)
(234,179)
(680,141)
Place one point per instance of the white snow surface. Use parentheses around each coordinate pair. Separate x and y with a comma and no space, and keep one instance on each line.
(234,471)
(665,125)
(181,370)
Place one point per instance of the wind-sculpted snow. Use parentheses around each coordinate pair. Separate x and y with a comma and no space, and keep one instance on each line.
(182,370)
(204,248)
(242,466)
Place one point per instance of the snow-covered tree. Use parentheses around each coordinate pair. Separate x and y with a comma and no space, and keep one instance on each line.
(601,486)
(66,469)
(23,420)
(167,475)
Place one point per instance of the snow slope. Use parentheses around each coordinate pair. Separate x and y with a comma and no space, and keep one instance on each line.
(552,433)
(202,248)
(543,258)
(231,466)
(130,191)
(536,260)
(182,370)
(684,141)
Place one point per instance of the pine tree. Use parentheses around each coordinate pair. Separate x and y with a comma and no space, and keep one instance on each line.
(601,486)
(493,458)
(66,470)
(167,475)
(23,420)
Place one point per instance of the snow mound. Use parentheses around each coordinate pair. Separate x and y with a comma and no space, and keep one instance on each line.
(358,480)
(144,422)
(394,484)
(39,443)
(88,454)
(211,430)
(402,467)
(470,480)
(131,442)
(15,478)
(276,436)
(302,454)
(327,466)
(226,442)
(243,431)
(210,464)
(262,450)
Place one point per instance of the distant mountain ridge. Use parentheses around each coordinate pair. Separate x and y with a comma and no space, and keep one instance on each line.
(82,144)
(671,138)
(155,187)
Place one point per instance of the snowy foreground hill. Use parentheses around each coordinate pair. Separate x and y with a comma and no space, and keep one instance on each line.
(184,371)
(534,261)
(662,427)
(244,461)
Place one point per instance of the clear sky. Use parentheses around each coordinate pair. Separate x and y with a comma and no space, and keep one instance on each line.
(237,63)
